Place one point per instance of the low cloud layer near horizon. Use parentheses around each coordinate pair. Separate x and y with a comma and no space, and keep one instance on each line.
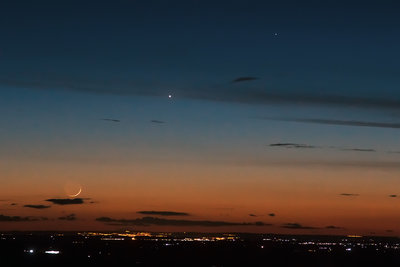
(69,217)
(303,227)
(6,218)
(147,221)
(297,226)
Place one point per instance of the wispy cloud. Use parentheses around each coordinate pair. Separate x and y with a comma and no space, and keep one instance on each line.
(146,221)
(260,95)
(300,226)
(157,121)
(163,213)
(318,163)
(359,149)
(349,195)
(244,79)
(339,122)
(291,145)
(333,227)
(111,120)
(392,195)
(5,218)
(271,214)
(297,145)
(70,217)
(39,207)
(297,226)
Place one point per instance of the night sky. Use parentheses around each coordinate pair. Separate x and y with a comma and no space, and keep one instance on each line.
(250,116)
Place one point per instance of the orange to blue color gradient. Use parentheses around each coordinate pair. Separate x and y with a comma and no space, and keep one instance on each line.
(239,116)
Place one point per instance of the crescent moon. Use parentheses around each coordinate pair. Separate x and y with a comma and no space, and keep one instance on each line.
(77,194)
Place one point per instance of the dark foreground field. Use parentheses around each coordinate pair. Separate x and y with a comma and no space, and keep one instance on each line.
(30,250)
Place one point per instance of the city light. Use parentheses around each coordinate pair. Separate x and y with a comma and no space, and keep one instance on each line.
(53,252)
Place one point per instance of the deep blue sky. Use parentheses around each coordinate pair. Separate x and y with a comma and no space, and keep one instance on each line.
(197,47)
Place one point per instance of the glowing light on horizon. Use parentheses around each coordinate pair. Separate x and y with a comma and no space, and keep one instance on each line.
(54,252)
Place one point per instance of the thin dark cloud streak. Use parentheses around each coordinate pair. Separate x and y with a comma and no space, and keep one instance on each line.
(333,227)
(297,226)
(157,121)
(302,163)
(256,96)
(291,145)
(349,195)
(39,207)
(359,149)
(298,146)
(147,221)
(244,79)
(6,218)
(306,146)
(101,87)
(163,213)
(338,122)
(111,120)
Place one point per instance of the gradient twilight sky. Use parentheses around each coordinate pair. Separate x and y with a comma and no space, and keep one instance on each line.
(306,142)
